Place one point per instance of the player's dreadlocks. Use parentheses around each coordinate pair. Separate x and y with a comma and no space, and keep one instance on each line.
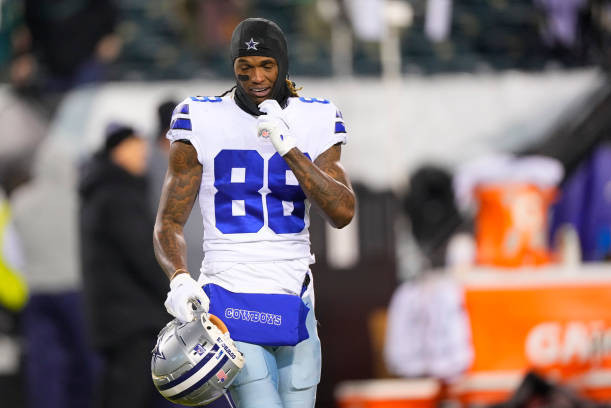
(227,91)
(292,88)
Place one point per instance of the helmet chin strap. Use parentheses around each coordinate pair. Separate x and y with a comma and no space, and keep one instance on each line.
(228,400)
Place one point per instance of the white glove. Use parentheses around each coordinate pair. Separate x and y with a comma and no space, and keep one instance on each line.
(274,126)
(184,290)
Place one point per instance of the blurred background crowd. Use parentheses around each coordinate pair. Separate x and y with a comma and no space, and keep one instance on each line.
(476,272)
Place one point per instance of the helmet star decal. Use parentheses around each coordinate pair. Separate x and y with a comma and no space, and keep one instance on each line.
(156,353)
(252,44)
(194,363)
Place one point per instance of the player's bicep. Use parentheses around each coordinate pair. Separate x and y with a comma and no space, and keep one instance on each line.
(329,162)
(181,184)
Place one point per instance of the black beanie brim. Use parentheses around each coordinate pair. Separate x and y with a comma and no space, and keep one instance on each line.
(114,138)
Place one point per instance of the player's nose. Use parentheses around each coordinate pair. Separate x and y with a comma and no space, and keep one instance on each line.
(257,75)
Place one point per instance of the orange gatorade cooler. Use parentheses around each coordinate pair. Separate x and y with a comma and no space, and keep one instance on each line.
(511,224)
(596,385)
(388,393)
(486,388)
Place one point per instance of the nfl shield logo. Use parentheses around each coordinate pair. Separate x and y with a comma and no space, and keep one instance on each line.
(221,376)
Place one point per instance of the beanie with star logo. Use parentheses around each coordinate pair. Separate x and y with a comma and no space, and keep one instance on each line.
(261,37)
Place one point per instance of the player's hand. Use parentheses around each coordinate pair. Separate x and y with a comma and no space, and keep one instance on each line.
(273,125)
(184,291)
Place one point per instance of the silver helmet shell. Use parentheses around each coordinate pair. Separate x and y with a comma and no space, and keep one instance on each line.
(194,363)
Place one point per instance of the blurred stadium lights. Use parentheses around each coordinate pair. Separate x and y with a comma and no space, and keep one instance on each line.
(341,37)
(397,16)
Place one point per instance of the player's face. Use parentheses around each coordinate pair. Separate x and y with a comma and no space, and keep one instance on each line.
(132,155)
(257,75)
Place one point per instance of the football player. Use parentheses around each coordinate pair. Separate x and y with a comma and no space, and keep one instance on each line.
(257,157)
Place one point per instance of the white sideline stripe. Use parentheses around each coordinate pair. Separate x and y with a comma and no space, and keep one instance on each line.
(489,381)
(510,380)
(586,274)
(181,116)
(597,379)
(392,389)
(178,388)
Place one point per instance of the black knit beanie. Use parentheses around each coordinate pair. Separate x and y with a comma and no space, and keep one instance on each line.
(261,37)
(116,136)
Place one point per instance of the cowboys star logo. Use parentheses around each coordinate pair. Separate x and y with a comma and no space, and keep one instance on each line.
(156,353)
(251,45)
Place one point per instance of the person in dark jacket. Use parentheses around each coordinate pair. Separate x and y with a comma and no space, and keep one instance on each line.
(124,287)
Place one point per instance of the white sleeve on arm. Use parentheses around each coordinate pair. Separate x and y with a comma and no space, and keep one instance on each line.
(337,132)
(181,128)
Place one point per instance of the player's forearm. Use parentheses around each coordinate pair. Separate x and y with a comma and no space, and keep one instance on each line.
(170,246)
(177,197)
(334,198)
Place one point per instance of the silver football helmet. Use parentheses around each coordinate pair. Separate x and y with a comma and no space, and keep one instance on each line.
(194,363)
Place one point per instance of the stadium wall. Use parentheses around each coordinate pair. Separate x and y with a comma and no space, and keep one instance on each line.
(393,126)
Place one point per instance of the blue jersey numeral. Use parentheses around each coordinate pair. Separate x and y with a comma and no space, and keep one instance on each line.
(238,204)
(238,177)
(206,98)
(284,195)
(312,100)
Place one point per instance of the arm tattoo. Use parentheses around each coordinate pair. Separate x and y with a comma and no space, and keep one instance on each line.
(325,183)
(179,192)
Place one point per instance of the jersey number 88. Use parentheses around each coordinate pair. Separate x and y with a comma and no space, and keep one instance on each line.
(241,205)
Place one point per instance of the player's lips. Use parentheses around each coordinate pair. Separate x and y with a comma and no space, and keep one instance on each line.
(260,92)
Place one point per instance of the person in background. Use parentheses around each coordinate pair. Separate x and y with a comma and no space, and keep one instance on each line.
(60,364)
(13,288)
(428,332)
(88,26)
(160,148)
(13,296)
(158,166)
(124,287)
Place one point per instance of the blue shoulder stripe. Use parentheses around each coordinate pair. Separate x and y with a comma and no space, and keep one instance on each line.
(185,108)
(181,123)
(339,127)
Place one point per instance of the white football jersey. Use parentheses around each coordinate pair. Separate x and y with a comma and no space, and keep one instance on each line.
(252,205)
